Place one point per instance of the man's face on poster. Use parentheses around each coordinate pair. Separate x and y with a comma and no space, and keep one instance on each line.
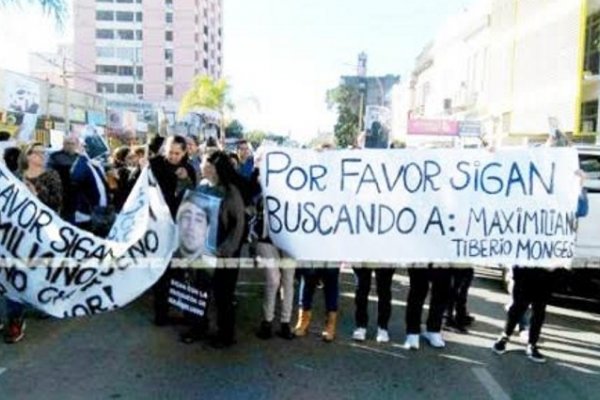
(193,228)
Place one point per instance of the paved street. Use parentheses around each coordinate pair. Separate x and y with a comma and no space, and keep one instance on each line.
(121,355)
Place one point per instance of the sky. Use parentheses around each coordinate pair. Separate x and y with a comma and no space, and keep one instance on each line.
(280,56)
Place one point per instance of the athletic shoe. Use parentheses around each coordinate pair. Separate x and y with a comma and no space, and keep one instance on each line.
(499,346)
(359,334)
(15,331)
(435,339)
(412,342)
(382,336)
(533,353)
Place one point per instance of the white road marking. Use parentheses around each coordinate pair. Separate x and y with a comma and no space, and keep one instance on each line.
(375,350)
(490,384)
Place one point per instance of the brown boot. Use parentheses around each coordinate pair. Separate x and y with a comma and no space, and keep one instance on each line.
(329,333)
(301,328)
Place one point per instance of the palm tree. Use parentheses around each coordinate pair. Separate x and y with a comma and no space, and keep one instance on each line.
(206,93)
(57,8)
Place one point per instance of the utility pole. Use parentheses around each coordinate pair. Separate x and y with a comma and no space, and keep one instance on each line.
(361,71)
(65,96)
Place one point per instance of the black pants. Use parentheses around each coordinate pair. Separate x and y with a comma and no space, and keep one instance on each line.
(532,286)
(224,282)
(419,286)
(383,278)
(460,282)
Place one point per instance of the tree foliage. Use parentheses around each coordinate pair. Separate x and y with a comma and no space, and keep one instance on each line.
(205,92)
(346,99)
(56,8)
(234,130)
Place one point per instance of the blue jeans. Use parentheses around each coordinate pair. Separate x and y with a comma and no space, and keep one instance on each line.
(309,279)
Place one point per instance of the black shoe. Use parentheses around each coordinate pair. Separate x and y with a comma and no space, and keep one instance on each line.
(192,335)
(452,325)
(533,353)
(265,331)
(465,320)
(500,346)
(285,331)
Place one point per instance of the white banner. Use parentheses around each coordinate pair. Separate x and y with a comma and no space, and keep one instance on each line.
(511,206)
(65,271)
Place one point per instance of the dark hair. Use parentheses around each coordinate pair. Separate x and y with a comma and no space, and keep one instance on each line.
(11,158)
(241,142)
(176,139)
(4,136)
(227,173)
(121,154)
(155,144)
(233,156)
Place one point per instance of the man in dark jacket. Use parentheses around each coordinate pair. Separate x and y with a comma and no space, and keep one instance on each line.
(62,161)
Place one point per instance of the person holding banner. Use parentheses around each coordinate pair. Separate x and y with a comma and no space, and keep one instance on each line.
(223,181)
(420,278)
(174,176)
(46,185)
(533,288)
(383,277)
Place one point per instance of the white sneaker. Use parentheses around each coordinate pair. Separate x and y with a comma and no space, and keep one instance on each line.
(359,334)
(412,342)
(435,339)
(382,336)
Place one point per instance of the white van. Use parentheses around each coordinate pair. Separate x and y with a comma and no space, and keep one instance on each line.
(587,248)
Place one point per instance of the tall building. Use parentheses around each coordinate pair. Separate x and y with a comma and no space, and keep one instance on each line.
(130,50)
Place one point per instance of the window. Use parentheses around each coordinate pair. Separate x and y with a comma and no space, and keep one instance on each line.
(196,37)
(125,34)
(169,72)
(196,19)
(205,63)
(106,69)
(206,30)
(105,34)
(125,53)
(125,1)
(169,36)
(169,55)
(139,35)
(139,89)
(205,12)
(105,16)
(196,56)
(169,90)
(589,116)
(592,44)
(105,52)
(105,88)
(125,88)
(124,70)
(206,47)
(138,16)
(169,18)
(139,72)
(219,31)
(219,61)
(219,46)
(104,1)
(124,16)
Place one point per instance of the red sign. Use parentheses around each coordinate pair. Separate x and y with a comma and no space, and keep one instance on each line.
(438,127)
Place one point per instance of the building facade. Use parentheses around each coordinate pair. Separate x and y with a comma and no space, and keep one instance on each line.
(510,66)
(150,50)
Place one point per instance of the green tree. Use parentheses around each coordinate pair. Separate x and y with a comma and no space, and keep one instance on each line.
(234,130)
(205,92)
(346,99)
(256,137)
(56,8)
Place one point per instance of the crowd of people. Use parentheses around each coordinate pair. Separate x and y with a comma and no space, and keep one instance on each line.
(89,194)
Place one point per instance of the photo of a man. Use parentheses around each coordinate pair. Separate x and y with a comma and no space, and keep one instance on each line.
(197,221)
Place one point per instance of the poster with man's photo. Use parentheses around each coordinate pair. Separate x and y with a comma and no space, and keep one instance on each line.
(21,95)
(377,126)
(195,258)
